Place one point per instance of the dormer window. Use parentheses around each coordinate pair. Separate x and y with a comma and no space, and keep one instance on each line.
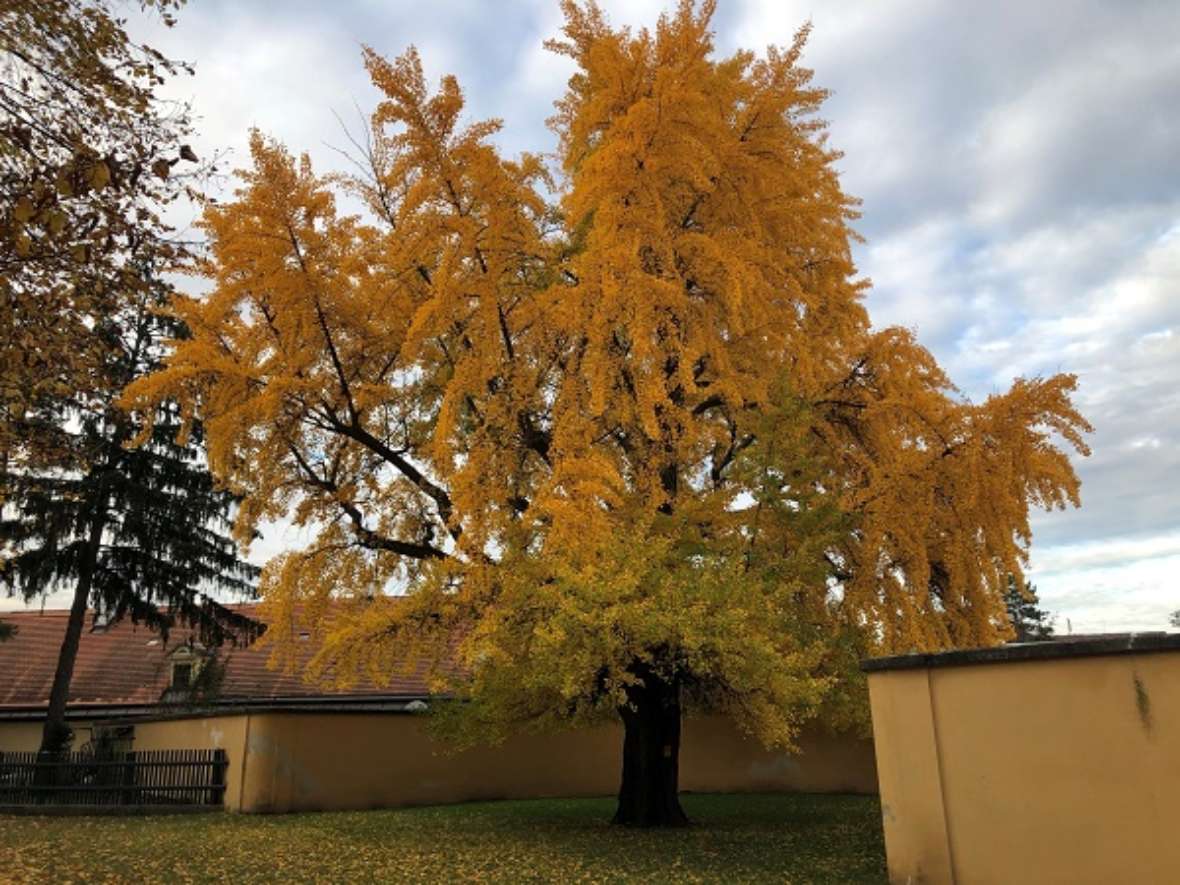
(184,667)
(182,676)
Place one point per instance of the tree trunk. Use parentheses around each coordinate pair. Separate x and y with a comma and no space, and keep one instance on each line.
(649,793)
(56,734)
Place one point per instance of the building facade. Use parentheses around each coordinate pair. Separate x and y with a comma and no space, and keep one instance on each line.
(296,747)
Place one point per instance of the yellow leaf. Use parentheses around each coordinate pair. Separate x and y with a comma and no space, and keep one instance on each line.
(100,175)
(55,221)
(24,209)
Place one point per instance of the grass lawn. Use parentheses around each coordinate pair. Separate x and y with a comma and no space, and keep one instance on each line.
(735,838)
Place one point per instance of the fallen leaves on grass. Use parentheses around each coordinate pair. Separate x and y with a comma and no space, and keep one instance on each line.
(736,838)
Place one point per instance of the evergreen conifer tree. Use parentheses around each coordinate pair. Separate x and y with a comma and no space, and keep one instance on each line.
(1031,623)
(139,533)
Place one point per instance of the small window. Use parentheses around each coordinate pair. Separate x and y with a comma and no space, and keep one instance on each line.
(182,675)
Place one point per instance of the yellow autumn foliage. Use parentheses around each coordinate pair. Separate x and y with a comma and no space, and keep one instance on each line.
(558,424)
(81,121)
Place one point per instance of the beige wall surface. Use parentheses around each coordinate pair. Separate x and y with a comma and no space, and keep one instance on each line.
(303,761)
(908,775)
(326,761)
(307,762)
(204,733)
(715,757)
(23,736)
(19,737)
(1050,771)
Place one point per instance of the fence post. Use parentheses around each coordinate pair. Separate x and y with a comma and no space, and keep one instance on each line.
(45,775)
(127,779)
(220,767)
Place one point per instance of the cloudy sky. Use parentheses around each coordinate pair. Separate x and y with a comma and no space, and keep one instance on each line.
(1017,162)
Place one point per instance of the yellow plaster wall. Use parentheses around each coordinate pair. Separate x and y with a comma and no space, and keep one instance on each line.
(303,761)
(326,761)
(204,733)
(22,736)
(716,757)
(201,733)
(308,761)
(1050,771)
(19,737)
(908,777)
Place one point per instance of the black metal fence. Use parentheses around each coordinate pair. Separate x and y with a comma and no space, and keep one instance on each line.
(132,778)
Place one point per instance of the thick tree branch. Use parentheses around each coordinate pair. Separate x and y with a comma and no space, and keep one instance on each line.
(365,536)
(504,333)
(442,500)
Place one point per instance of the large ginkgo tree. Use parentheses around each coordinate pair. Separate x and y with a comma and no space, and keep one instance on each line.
(615,433)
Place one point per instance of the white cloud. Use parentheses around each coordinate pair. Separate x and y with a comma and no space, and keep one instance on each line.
(1112,585)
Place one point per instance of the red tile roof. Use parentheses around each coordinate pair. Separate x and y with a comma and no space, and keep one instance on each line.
(129,664)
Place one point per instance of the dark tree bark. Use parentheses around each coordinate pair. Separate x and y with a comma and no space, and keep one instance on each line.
(56,734)
(649,795)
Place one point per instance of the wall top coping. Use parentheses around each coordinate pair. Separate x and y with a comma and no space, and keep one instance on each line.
(389,703)
(1044,650)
